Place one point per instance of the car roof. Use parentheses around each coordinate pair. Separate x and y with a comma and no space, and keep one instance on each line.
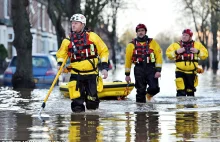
(38,54)
(53,52)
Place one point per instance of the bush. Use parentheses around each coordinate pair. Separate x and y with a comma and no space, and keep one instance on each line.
(3,52)
(3,55)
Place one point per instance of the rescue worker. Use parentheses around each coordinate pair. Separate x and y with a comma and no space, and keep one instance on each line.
(146,54)
(186,54)
(83,48)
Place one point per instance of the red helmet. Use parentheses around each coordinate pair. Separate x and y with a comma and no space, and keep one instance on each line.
(188,31)
(141,26)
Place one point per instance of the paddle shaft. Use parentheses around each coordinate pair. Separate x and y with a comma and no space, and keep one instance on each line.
(55,80)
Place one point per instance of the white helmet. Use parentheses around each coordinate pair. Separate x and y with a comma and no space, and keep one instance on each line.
(78,17)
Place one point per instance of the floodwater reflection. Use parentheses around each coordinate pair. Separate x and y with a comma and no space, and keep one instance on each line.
(186,123)
(139,126)
(129,126)
(84,128)
(146,126)
(165,119)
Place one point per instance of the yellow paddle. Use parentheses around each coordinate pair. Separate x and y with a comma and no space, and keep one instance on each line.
(51,88)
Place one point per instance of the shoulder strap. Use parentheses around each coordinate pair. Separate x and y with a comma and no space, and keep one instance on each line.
(149,40)
(93,64)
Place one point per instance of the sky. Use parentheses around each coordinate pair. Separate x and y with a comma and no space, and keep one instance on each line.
(157,15)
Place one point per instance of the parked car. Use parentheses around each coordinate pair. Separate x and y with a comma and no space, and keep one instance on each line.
(44,70)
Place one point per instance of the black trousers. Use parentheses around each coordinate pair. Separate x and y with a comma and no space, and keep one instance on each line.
(87,85)
(188,82)
(144,76)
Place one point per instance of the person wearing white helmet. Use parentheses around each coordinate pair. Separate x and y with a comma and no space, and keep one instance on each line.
(83,48)
(78,22)
(186,54)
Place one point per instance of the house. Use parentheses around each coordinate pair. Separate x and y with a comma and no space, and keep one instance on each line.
(42,29)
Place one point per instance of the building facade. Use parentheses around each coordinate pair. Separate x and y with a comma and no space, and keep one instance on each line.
(42,29)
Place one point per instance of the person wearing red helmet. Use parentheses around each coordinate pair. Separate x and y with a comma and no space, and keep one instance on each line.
(145,53)
(186,54)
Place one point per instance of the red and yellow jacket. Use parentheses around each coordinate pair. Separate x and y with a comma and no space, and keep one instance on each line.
(186,66)
(85,65)
(153,45)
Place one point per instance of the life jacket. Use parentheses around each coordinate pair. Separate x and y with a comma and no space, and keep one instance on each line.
(142,53)
(187,55)
(81,48)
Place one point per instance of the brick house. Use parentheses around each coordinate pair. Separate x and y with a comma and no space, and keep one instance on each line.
(43,32)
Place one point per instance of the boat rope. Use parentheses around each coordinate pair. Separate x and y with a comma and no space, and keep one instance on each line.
(126,93)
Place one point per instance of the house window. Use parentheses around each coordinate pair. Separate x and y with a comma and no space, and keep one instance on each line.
(39,16)
(50,26)
(6,9)
(43,18)
(10,37)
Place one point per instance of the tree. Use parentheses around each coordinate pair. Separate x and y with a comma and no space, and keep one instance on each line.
(114,6)
(57,10)
(199,9)
(23,77)
(215,15)
(208,12)
(126,37)
(165,40)
(92,12)
(72,7)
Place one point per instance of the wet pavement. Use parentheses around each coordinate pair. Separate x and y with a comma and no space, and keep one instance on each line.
(166,118)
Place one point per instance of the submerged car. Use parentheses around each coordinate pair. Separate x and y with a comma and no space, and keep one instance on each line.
(44,70)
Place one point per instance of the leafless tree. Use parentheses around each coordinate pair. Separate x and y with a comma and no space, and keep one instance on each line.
(199,9)
(57,9)
(114,6)
(215,15)
(92,11)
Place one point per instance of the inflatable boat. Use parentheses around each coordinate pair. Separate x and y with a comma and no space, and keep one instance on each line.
(114,89)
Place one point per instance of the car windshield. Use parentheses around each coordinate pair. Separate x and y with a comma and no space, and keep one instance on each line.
(36,62)
(54,62)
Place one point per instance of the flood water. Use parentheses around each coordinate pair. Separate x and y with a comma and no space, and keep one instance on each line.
(166,118)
